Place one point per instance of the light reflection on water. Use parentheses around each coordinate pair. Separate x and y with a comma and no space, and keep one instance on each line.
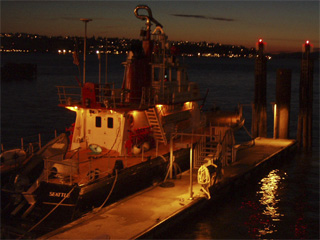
(269,199)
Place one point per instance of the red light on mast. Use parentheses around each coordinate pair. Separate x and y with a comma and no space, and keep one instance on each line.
(260,45)
(307,42)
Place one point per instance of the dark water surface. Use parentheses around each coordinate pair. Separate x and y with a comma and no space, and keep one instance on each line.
(282,204)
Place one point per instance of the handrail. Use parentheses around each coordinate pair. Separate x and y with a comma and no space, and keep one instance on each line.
(111,97)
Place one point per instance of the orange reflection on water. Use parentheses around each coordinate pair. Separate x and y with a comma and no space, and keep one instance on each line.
(269,200)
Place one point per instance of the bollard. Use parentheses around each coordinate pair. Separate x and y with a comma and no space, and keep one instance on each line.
(259,111)
(304,131)
(283,99)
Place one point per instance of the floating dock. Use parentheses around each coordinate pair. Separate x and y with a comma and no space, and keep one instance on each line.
(154,210)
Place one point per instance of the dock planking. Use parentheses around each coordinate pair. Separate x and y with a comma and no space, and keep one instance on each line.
(153,210)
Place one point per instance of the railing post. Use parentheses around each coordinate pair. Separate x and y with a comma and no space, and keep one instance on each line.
(171,156)
(125,158)
(71,171)
(142,154)
(21,143)
(39,141)
(90,167)
(78,161)
(191,172)
(46,166)
(157,147)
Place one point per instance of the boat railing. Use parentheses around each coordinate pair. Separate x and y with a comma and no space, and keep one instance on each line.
(30,144)
(69,95)
(110,97)
(66,167)
(170,93)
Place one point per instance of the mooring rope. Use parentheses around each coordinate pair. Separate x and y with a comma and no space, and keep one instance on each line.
(68,194)
(114,183)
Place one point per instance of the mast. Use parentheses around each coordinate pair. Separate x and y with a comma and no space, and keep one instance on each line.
(85,20)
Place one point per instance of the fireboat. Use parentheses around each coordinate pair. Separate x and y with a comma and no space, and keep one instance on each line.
(123,140)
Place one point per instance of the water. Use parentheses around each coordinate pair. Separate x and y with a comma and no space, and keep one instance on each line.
(282,204)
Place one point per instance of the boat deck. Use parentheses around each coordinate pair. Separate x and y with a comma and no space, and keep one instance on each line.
(151,210)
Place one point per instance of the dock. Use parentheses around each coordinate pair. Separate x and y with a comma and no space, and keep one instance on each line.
(153,210)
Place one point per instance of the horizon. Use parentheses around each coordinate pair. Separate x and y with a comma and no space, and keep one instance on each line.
(96,37)
(284,25)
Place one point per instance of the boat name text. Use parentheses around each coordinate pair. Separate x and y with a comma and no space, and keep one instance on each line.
(59,194)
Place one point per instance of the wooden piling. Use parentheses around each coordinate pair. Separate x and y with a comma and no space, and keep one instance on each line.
(259,111)
(283,99)
(304,131)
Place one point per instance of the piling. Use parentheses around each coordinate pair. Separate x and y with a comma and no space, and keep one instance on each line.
(283,99)
(259,111)
(304,131)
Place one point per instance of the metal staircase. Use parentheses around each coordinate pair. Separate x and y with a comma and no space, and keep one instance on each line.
(204,149)
(154,122)
(207,147)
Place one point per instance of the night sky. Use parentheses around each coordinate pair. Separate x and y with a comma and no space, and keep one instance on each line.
(284,25)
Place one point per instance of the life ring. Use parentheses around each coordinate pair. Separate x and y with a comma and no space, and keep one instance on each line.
(203,175)
(96,149)
(206,173)
(136,149)
(93,175)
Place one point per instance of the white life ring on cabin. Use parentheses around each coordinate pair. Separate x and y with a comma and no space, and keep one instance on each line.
(95,148)
(136,149)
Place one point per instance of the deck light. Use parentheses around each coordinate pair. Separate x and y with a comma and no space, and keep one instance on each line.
(275,121)
(159,106)
(74,108)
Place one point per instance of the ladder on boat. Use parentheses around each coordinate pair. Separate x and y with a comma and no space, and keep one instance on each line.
(154,122)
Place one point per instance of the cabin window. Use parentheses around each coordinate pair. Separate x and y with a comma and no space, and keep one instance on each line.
(110,122)
(98,122)
(156,75)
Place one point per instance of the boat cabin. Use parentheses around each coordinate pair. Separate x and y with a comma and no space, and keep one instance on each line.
(155,100)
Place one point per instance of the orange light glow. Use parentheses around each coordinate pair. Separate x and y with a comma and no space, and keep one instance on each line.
(74,109)
(159,106)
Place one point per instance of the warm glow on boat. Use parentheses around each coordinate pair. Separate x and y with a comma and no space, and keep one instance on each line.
(188,105)
(159,106)
(134,113)
(74,108)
